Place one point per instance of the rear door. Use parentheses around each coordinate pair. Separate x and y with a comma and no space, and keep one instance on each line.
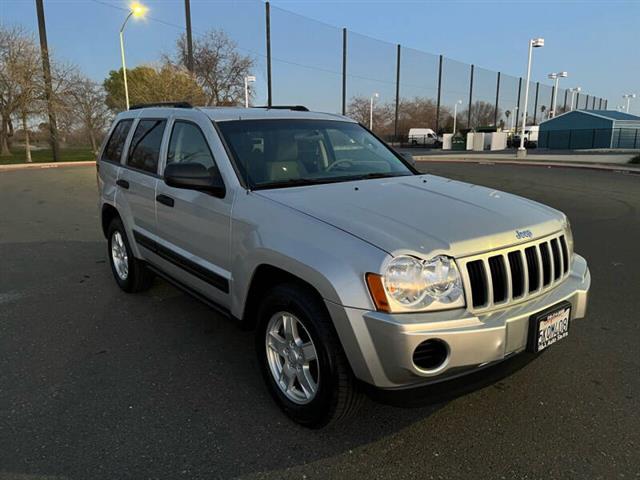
(138,179)
(193,226)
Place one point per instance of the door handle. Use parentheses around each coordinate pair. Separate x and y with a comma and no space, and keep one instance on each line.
(165,200)
(122,183)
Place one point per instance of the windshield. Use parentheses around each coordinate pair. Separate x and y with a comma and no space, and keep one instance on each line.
(281,153)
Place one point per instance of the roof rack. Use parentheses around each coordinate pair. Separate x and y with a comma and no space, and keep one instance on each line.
(161,104)
(296,108)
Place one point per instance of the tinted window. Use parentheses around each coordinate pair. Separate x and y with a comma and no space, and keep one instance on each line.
(145,145)
(188,145)
(115,145)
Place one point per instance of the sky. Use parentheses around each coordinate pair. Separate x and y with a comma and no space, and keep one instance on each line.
(596,42)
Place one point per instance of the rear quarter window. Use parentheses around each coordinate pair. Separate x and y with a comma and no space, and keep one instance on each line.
(115,145)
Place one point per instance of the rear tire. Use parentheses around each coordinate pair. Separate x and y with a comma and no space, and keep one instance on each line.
(328,392)
(130,273)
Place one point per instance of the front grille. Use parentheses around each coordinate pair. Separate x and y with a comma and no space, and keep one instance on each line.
(498,278)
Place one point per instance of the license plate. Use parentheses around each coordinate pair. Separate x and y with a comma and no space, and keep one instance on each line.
(547,327)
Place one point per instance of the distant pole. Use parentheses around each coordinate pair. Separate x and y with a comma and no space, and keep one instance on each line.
(577,100)
(344,71)
(395,123)
(439,91)
(470,97)
(586,103)
(566,92)
(600,104)
(518,109)
(495,114)
(535,104)
(606,102)
(48,91)
(187,15)
(533,43)
(268,29)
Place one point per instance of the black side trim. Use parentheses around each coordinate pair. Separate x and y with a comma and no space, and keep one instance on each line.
(178,284)
(178,260)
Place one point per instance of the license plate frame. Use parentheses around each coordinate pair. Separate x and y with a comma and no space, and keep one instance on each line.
(537,342)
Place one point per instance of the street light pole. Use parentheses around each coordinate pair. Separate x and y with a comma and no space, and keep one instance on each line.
(573,92)
(375,95)
(629,96)
(137,10)
(455,114)
(554,100)
(247,80)
(533,43)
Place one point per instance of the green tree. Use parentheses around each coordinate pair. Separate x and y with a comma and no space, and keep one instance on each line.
(147,84)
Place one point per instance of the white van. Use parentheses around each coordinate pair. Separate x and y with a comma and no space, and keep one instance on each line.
(423,136)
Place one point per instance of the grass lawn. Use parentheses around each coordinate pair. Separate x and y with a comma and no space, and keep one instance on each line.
(43,156)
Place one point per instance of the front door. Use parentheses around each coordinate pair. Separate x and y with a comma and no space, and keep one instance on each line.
(194,227)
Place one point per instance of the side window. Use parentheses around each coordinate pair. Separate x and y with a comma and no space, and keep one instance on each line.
(115,145)
(188,145)
(145,145)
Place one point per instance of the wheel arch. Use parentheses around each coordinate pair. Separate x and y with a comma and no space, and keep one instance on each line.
(109,212)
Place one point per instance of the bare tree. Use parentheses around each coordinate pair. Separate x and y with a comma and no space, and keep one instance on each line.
(19,83)
(87,102)
(482,114)
(359,109)
(218,67)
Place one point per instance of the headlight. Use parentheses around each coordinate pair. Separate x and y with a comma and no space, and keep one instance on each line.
(569,236)
(411,284)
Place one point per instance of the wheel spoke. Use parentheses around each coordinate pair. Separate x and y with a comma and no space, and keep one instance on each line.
(306,381)
(290,328)
(277,344)
(309,351)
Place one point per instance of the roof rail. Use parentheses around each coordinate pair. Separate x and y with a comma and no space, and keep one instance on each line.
(161,104)
(297,108)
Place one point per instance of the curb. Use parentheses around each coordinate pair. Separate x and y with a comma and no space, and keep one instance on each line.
(37,166)
(622,168)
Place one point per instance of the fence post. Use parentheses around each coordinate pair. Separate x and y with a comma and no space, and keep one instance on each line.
(577,99)
(593,104)
(517,112)
(635,140)
(470,97)
(566,92)
(495,114)
(344,71)
(268,29)
(535,104)
(606,102)
(439,91)
(395,123)
(586,103)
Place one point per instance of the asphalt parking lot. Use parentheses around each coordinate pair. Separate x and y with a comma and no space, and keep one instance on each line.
(95,383)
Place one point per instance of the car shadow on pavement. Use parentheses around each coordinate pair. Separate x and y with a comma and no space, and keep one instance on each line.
(150,385)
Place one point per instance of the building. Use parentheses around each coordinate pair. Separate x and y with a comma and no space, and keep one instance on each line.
(581,129)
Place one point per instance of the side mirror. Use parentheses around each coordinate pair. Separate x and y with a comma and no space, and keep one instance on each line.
(194,176)
(408,156)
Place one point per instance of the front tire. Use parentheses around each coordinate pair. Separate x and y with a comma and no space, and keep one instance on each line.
(301,358)
(130,274)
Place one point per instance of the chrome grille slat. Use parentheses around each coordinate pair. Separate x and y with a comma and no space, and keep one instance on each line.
(513,274)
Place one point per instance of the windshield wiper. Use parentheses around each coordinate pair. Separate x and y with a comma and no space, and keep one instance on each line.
(293,182)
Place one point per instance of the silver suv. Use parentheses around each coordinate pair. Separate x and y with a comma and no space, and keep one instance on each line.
(352,267)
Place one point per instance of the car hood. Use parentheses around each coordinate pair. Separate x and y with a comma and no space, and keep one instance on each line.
(425,214)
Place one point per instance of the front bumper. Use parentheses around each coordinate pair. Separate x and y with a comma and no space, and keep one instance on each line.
(380,346)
